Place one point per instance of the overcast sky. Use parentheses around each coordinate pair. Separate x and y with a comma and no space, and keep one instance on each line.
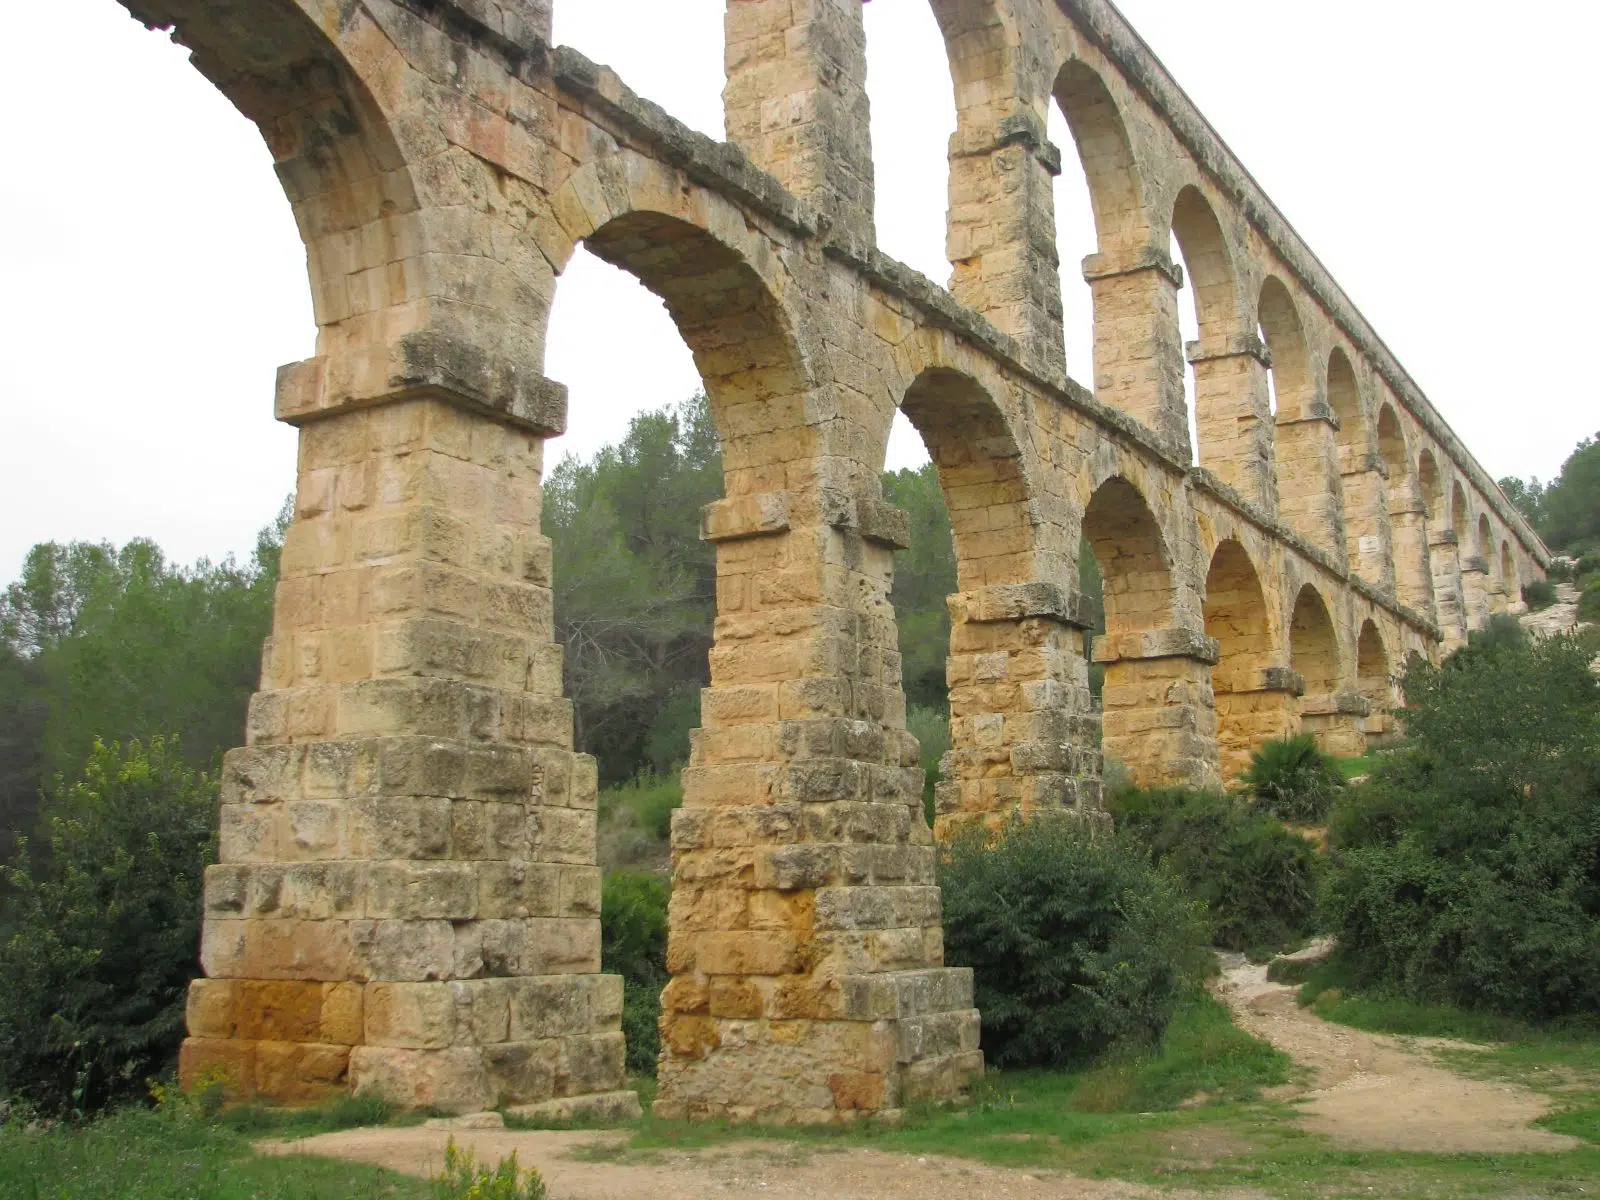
(1438,165)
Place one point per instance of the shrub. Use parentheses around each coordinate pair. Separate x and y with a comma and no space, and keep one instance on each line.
(1467,870)
(104,929)
(633,944)
(1539,593)
(636,817)
(464,1178)
(931,728)
(1503,631)
(1589,600)
(1293,779)
(1256,880)
(1078,944)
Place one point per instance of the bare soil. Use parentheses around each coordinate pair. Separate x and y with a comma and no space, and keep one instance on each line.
(1374,1092)
(574,1167)
(1364,1092)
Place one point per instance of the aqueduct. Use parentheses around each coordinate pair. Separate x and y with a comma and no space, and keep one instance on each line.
(408,900)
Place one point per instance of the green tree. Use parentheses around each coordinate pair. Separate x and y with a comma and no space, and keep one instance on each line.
(635,587)
(1468,869)
(1527,498)
(1571,504)
(924,576)
(121,644)
(23,712)
(103,928)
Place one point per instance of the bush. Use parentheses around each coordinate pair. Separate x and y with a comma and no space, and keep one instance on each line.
(104,929)
(464,1178)
(1256,880)
(1293,779)
(931,728)
(1540,593)
(635,819)
(1467,870)
(633,944)
(1502,632)
(1589,600)
(1078,944)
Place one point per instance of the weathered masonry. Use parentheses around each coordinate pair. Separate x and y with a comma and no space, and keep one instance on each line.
(408,900)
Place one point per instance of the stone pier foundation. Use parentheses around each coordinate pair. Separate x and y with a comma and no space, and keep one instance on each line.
(407,901)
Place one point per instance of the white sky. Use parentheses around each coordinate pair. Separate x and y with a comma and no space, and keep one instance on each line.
(154,282)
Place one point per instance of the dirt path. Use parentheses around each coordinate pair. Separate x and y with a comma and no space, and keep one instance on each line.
(753,1168)
(1372,1092)
(1560,617)
(1367,1092)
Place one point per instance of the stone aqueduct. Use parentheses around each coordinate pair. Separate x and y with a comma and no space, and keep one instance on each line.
(408,899)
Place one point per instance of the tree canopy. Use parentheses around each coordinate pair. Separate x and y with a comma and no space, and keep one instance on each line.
(1566,511)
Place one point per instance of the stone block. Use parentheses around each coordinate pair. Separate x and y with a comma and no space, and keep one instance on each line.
(418,1016)
(453,1080)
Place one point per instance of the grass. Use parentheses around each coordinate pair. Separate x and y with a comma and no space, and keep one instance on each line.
(1190,1113)
(139,1154)
(635,819)
(1356,768)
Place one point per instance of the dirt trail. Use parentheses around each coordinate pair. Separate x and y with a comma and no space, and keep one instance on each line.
(1373,1092)
(745,1168)
(1367,1092)
(1560,617)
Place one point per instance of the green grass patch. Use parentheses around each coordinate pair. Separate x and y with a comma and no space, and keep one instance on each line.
(346,1112)
(1202,1055)
(138,1154)
(1357,768)
(635,819)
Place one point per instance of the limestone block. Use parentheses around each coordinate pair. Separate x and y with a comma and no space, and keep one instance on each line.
(452,1080)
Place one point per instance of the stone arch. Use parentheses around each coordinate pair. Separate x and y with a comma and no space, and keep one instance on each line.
(1210,260)
(981,474)
(719,282)
(1031,741)
(1314,643)
(1392,449)
(1133,557)
(1432,489)
(1344,398)
(1373,675)
(1484,547)
(1116,190)
(1460,516)
(1509,575)
(1155,700)
(1285,336)
(1310,492)
(1249,701)
(1212,383)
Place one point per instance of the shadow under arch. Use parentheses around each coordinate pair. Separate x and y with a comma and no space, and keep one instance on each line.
(1314,656)
(981,475)
(1310,492)
(1152,692)
(1392,450)
(1428,483)
(1249,684)
(1374,677)
(1344,398)
(1369,540)
(1460,517)
(1022,732)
